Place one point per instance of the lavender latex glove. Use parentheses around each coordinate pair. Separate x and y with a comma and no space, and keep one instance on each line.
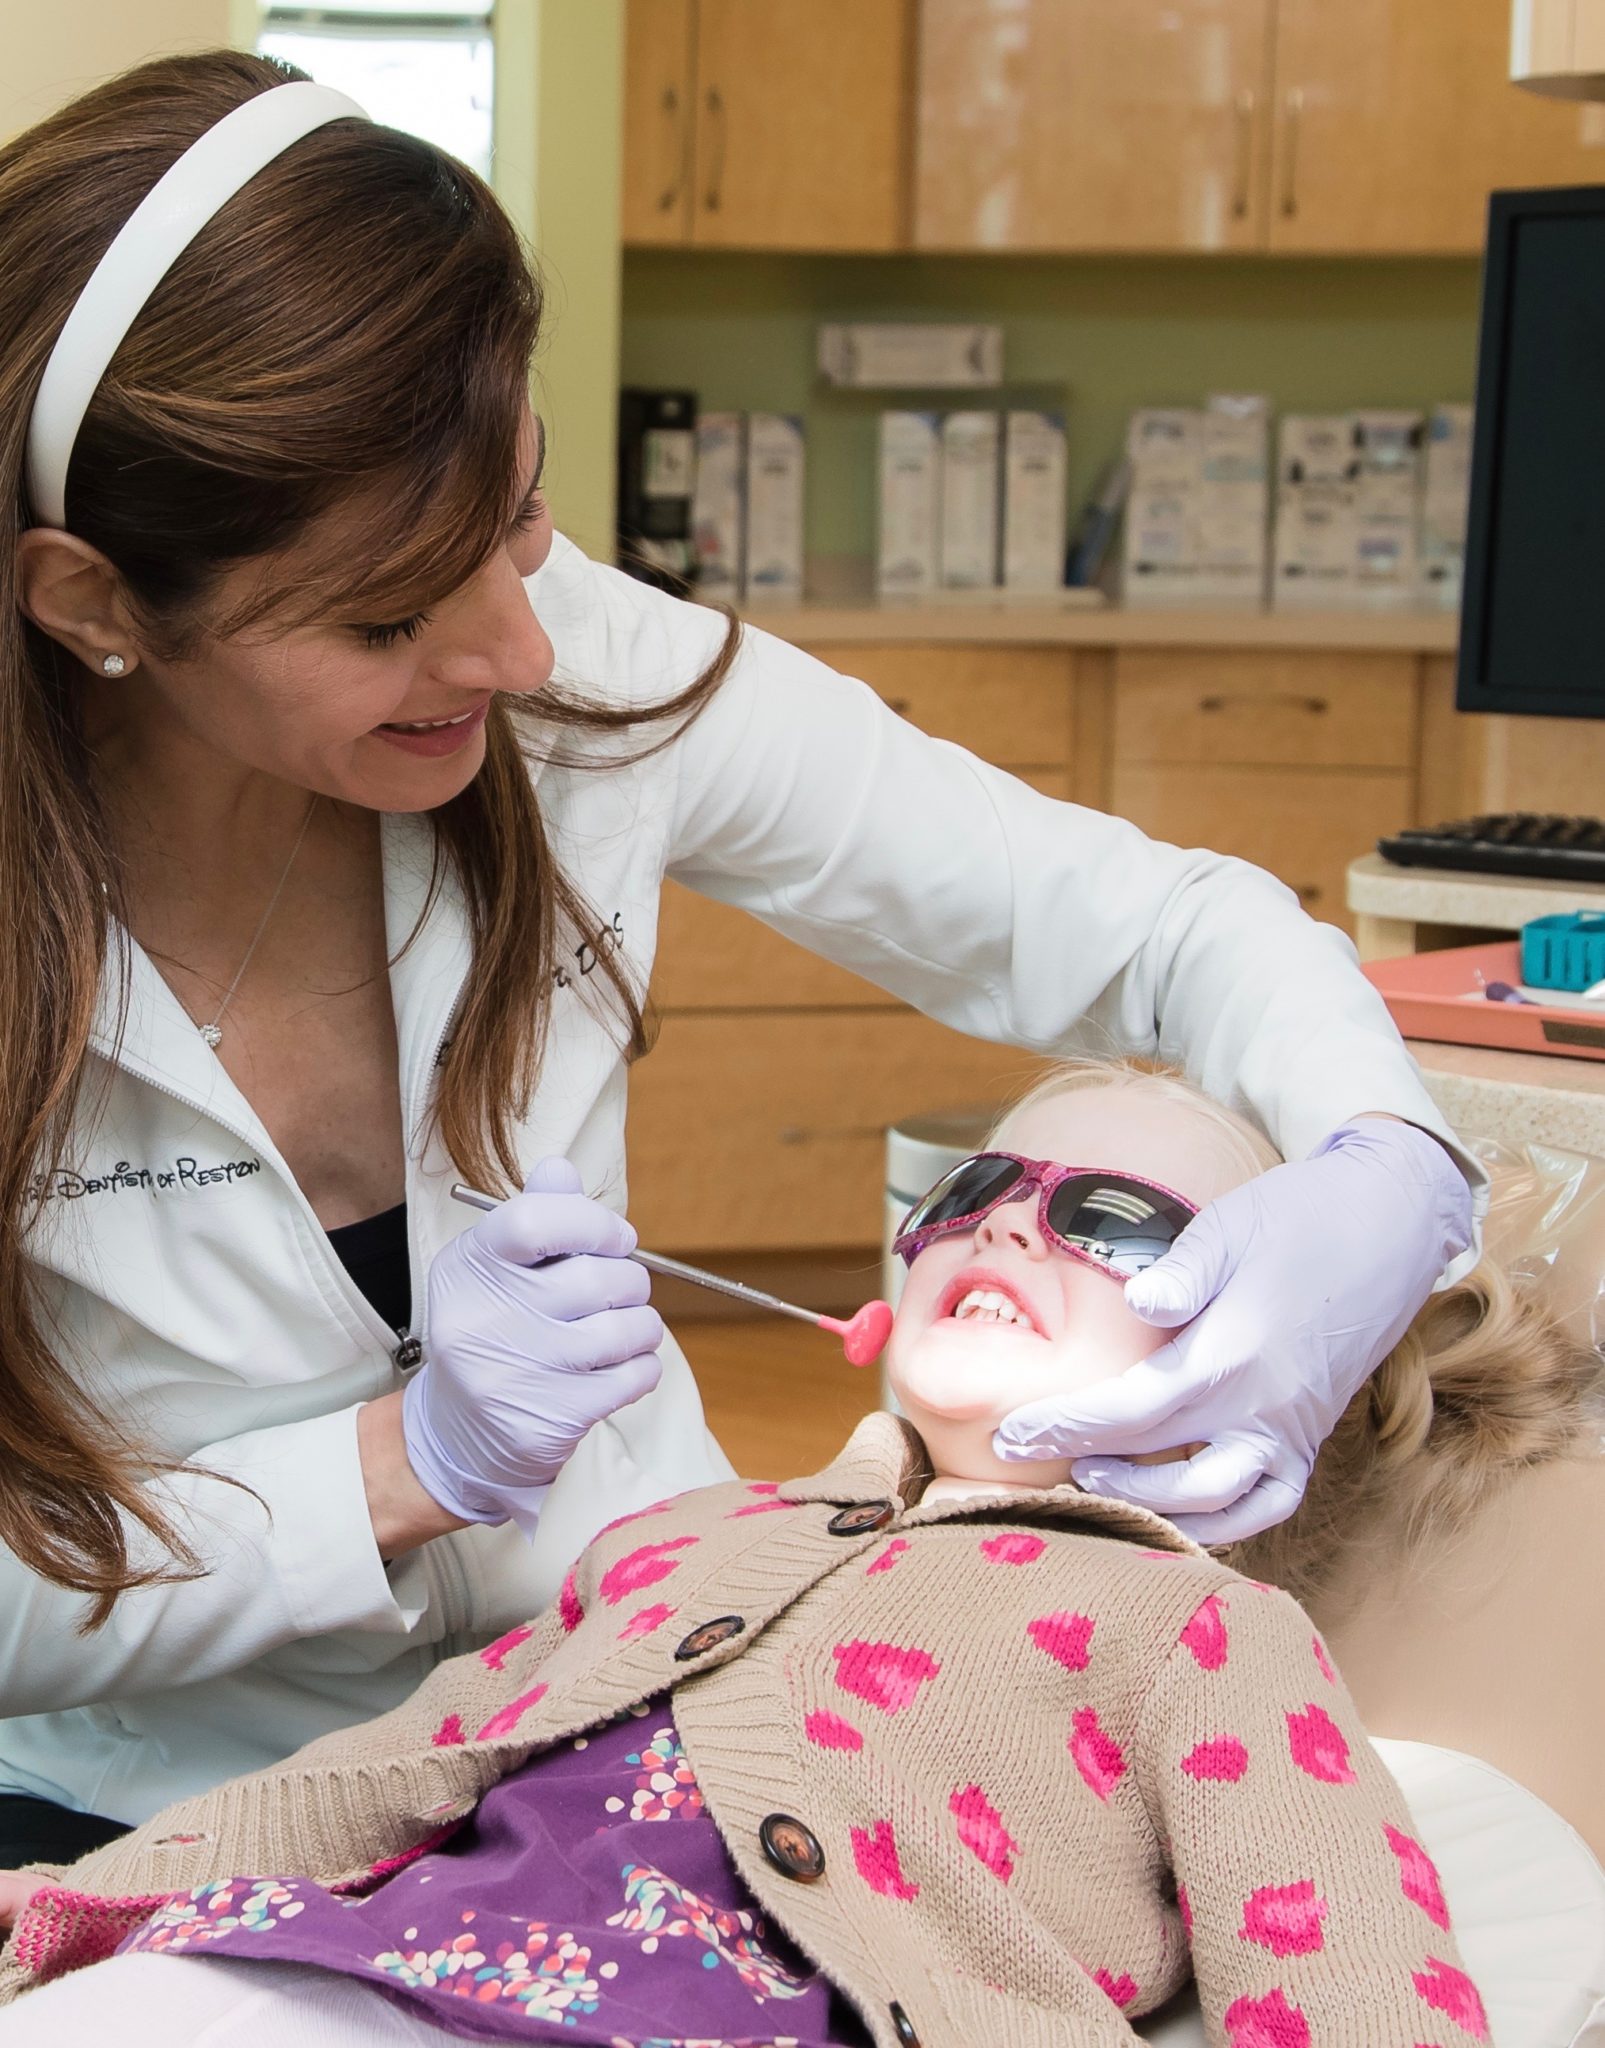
(1301,1281)
(539,1328)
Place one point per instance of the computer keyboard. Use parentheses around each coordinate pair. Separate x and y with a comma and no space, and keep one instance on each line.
(1553,848)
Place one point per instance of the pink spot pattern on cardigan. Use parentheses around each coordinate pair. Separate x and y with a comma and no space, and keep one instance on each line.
(1135,1755)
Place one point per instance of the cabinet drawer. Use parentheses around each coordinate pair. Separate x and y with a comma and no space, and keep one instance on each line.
(1010,704)
(1296,710)
(711,957)
(1305,826)
(768,1133)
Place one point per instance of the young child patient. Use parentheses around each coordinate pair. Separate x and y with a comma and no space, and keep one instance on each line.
(927,1748)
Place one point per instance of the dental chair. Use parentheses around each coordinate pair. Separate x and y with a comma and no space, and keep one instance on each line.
(1480,1672)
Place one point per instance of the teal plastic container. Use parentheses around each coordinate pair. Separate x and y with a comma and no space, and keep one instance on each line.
(1566,952)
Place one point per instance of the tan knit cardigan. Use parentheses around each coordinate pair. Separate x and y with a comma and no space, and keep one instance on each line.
(1007,1769)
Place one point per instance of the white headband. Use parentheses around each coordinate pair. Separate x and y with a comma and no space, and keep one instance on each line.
(165,222)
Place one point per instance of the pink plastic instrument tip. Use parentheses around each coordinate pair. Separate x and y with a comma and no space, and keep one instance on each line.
(864,1337)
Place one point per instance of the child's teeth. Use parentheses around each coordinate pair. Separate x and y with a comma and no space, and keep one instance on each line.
(987,1304)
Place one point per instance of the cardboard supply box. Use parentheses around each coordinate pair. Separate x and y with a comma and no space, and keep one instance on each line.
(1387,572)
(1165,447)
(908,561)
(1317,512)
(718,506)
(1445,503)
(911,355)
(971,480)
(1035,480)
(1198,517)
(1234,506)
(775,489)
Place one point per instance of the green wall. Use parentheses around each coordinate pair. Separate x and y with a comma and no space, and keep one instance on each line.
(1099,336)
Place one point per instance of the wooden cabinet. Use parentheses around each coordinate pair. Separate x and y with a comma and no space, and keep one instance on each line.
(775,1065)
(806,1062)
(1092,124)
(1395,119)
(766,1131)
(659,114)
(1303,825)
(1298,762)
(768,124)
(1330,126)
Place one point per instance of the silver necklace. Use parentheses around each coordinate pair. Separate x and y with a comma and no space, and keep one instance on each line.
(213,1033)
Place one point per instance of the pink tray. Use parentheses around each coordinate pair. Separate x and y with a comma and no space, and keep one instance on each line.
(1439,996)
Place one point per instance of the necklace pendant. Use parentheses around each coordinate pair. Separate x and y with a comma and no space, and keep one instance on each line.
(212,1035)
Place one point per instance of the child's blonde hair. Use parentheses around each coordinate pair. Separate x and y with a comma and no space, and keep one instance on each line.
(1484,1383)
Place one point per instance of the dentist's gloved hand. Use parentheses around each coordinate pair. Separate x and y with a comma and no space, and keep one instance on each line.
(538,1329)
(1302,1281)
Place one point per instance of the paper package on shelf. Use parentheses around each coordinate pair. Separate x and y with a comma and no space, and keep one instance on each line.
(1445,501)
(971,479)
(1317,512)
(910,504)
(1387,574)
(775,479)
(718,508)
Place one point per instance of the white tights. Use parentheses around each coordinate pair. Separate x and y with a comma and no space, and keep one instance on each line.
(145,2001)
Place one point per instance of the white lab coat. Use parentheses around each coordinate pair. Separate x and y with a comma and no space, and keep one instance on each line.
(205,1304)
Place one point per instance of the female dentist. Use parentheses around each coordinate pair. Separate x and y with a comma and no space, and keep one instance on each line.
(336,794)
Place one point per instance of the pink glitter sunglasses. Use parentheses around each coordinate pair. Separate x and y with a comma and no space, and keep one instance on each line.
(1117,1222)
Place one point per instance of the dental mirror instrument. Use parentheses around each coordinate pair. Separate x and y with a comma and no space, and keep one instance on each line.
(863,1336)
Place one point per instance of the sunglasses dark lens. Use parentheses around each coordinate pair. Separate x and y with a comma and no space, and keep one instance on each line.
(1121,1223)
(974,1184)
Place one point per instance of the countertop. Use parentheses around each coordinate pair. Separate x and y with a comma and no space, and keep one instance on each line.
(1078,620)
(1517,1098)
(1500,903)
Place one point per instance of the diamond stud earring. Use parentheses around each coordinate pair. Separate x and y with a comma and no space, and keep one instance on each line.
(113,665)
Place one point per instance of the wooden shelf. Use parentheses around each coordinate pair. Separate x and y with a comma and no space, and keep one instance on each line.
(1051,624)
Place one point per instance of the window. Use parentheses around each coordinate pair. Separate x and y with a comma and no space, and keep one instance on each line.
(424,65)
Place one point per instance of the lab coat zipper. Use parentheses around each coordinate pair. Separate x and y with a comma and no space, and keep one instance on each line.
(449,1580)
(358,1302)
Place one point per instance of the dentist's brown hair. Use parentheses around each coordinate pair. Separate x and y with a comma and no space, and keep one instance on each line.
(349,338)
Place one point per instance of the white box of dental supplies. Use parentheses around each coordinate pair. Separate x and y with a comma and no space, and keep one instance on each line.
(1165,447)
(908,560)
(1234,501)
(1317,512)
(775,475)
(718,506)
(1035,480)
(971,455)
(1445,501)
(1387,509)
(911,355)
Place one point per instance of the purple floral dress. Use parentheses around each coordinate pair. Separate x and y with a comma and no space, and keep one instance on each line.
(589,1899)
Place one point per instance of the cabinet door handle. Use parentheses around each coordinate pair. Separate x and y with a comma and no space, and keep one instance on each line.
(670,197)
(1292,140)
(897,704)
(1243,194)
(1290,699)
(1308,893)
(718,122)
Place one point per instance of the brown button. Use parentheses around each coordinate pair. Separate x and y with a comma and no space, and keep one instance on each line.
(793,1849)
(708,1637)
(862,1520)
(903,2027)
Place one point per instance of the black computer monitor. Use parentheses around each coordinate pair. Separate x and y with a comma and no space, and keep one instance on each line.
(1533,625)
